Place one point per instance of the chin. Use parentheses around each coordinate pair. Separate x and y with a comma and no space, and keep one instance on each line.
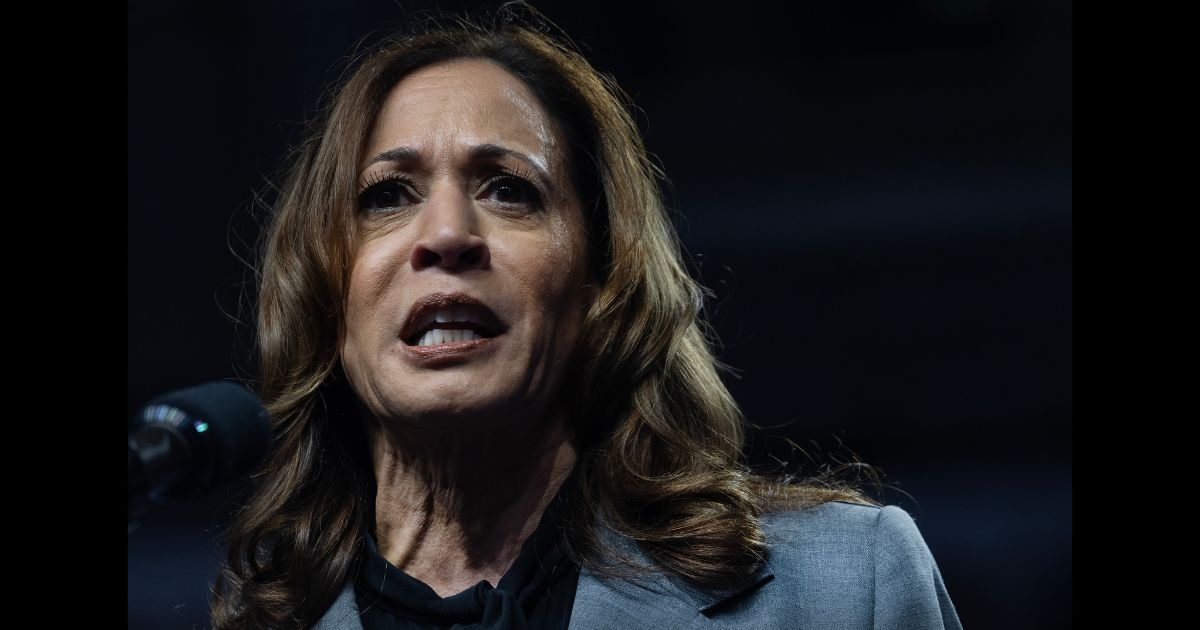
(454,410)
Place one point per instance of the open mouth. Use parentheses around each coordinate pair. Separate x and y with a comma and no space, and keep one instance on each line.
(441,319)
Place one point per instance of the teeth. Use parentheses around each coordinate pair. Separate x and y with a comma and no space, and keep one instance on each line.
(444,315)
(438,336)
(453,314)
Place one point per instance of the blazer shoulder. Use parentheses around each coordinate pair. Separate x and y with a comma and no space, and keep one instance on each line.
(835,517)
(832,528)
(888,528)
(909,590)
(840,553)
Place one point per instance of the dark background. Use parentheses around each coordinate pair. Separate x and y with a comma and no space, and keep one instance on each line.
(879,192)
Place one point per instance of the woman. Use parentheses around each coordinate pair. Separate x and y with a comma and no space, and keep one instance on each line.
(494,401)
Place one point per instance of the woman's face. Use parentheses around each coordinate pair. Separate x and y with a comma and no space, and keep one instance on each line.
(467,291)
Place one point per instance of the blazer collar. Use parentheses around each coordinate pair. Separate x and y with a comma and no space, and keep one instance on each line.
(651,600)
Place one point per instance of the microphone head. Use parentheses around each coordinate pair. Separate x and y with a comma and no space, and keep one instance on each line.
(224,427)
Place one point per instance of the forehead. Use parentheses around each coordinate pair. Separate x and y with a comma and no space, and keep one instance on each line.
(459,104)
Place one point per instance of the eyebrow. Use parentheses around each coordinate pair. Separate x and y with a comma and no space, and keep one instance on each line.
(399,154)
(478,152)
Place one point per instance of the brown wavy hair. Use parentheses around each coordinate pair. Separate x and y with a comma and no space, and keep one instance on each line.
(659,437)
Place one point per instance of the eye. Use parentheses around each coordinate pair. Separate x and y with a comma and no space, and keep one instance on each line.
(512,190)
(389,193)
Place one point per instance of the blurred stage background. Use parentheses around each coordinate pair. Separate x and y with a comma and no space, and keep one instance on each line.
(879,192)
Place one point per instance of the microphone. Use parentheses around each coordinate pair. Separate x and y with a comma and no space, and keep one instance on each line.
(186,442)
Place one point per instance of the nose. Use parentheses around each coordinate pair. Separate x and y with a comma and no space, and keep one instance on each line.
(449,237)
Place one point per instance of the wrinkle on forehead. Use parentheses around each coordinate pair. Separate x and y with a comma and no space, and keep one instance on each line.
(462,103)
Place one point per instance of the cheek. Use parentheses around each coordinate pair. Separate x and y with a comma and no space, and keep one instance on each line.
(557,274)
(366,300)
(371,278)
(351,345)
(543,270)
(354,314)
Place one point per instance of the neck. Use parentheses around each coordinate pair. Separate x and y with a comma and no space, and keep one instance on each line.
(451,510)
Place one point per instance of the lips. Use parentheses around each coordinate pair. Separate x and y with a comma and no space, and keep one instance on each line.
(458,311)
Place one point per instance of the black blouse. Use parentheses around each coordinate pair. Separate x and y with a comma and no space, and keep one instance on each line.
(538,591)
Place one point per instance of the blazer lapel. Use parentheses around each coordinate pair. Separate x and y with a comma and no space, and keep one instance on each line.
(651,600)
(343,615)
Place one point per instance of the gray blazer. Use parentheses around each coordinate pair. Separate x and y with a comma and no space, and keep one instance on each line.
(837,566)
